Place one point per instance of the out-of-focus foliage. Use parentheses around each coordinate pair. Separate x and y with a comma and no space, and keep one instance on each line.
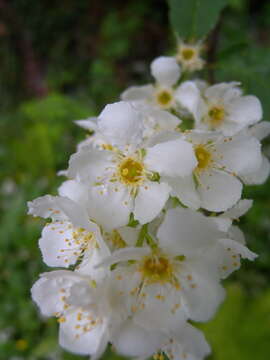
(241,329)
(193,19)
(62,61)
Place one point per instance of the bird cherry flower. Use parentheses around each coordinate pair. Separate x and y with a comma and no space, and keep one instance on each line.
(183,341)
(188,56)
(222,161)
(171,278)
(221,107)
(70,238)
(82,307)
(123,176)
(155,121)
(166,73)
(260,131)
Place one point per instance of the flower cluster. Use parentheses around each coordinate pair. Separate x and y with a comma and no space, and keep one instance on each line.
(143,227)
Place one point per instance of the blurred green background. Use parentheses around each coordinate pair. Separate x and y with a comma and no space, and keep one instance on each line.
(62,61)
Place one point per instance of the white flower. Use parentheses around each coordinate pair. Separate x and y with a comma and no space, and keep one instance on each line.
(70,236)
(83,307)
(174,278)
(166,73)
(260,131)
(188,55)
(187,343)
(155,121)
(123,177)
(220,107)
(132,340)
(182,342)
(215,184)
(93,136)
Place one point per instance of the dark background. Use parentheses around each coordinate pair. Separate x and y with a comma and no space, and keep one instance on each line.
(64,60)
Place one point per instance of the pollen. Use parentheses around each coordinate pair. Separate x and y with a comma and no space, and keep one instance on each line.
(203,156)
(187,53)
(62,319)
(131,171)
(164,98)
(157,268)
(216,116)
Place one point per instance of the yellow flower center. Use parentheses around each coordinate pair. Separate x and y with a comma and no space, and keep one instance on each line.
(203,156)
(216,116)
(164,98)
(131,171)
(116,239)
(187,54)
(156,268)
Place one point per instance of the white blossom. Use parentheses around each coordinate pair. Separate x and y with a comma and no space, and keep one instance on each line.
(166,73)
(70,236)
(123,177)
(188,56)
(82,306)
(172,279)
(220,107)
(214,184)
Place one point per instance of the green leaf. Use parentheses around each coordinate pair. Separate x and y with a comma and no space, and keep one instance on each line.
(193,19)
(251,67)
(241,328)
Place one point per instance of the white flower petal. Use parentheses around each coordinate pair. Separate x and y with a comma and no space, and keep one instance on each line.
(138,93)
(89,163)
(88,124)
(245,110)
(189,97)
(238,248)
(161,137)
(227,254)
(133,340)
(111,205)
(219,191)
(46,207)
(125,254)
(88,266)
(129,234)
(171,158)
(260,130)
(259,176)
(75,213)
(121,124)
(185,232)
(227,91)
(75,191)
(237,234)
(238,210)
(87,343)
(57,245)
(150,200)
(158,121)
(204,295)
(185,190)
(46,291)
(241,155)
(165,70)
(192,341)
(158,314)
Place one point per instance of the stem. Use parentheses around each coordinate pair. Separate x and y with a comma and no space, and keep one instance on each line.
(212,50)
(142,235)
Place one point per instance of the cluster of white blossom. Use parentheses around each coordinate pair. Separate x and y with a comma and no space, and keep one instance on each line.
(143,227)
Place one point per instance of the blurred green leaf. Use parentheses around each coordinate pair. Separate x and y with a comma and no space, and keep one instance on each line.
(241,328)
(193,19)
(251,67)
